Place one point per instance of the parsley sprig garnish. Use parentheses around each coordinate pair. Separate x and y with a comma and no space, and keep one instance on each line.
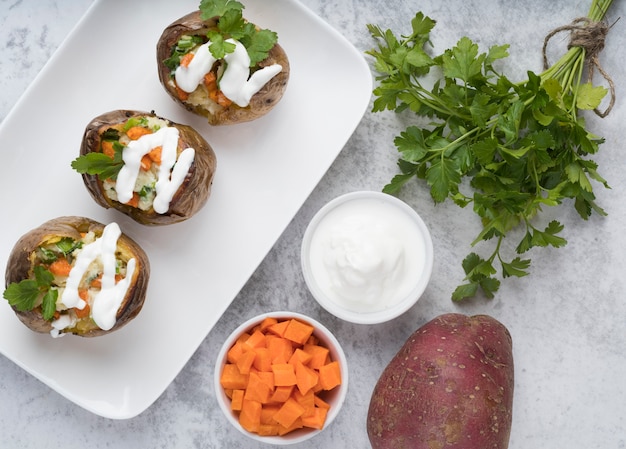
(231,24)
(96,163)
(519,147)
(23,295)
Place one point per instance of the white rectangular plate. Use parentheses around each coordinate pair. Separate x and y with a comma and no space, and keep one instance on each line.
(266,170)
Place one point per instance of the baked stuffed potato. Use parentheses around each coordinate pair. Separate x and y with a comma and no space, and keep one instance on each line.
(73,275)
(154,170)
(207,71)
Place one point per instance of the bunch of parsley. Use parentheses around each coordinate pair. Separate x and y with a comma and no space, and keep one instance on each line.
(518,147)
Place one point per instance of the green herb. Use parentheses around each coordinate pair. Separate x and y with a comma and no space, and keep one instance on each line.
(507,149)
(100,164)
(23,295)
(231,24)
(133,121)
(184,45)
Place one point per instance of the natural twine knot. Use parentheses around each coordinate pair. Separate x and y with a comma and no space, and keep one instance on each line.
(590,36)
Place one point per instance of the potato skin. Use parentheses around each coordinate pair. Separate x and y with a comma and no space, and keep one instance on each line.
(449,387)
(191,196)
(260,104)
(19,267)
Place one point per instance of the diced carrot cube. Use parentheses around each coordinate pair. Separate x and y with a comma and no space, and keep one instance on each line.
(288,413)
(298,332)
(278,328)
(282,393)
(330,375)
(236,400)
(316,419)
(306,377)
(232,378)
(300,356)
(250,415)
(284,374)
(245,361)
(319,355)
(263,359)
(267,322)
(235,352)
(257,390)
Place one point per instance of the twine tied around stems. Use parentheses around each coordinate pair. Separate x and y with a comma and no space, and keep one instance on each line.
(590,36)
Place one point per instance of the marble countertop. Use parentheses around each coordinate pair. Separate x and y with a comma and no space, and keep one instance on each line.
(567,319)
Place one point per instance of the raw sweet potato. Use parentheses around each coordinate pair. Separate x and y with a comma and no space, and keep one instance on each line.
(449,387)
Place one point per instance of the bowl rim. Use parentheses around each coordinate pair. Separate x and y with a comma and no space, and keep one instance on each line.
(321,332)
(377,316)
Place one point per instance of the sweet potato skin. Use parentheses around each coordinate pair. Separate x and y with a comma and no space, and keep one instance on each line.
(449,387)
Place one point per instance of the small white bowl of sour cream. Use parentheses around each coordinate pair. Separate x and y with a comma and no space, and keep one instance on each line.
(367,257)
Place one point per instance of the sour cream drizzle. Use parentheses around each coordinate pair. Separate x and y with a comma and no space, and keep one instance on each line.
(110,297)
(172,171)
(236,82)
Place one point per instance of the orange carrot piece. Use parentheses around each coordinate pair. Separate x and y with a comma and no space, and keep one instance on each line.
(298,332)
(280,348)
(316,419)
(107,148)
(257,389)
(245,361)
(319,355)
(232,378)
(155,154)
(267,413)
(266,323)
(279,328)
(281,393)
(263,359)
(330,375)
(145,162)
(313,340)
(299,356)
(135,132)
(222,99)
(268,378)
(297,424)
(250,415)
(319,402)
(134,201)
(235,352)
(288,413)
(284,374)
(182,95)
(210,81)
(256,340)
(243,337)
(60,267)
(236,400)
(306,378)
(186,59)
(268,430)
(83,294)
(306,400)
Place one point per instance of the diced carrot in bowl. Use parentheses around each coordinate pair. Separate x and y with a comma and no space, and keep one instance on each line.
(281,378)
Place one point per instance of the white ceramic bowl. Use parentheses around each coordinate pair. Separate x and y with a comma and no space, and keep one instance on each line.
(334,397)
(368,231)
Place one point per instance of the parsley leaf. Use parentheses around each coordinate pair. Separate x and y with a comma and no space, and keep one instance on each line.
(23,295)
(215,8)
(231,24)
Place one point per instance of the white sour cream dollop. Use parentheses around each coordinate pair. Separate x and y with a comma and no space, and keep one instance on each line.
(236,83)
(110,297)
